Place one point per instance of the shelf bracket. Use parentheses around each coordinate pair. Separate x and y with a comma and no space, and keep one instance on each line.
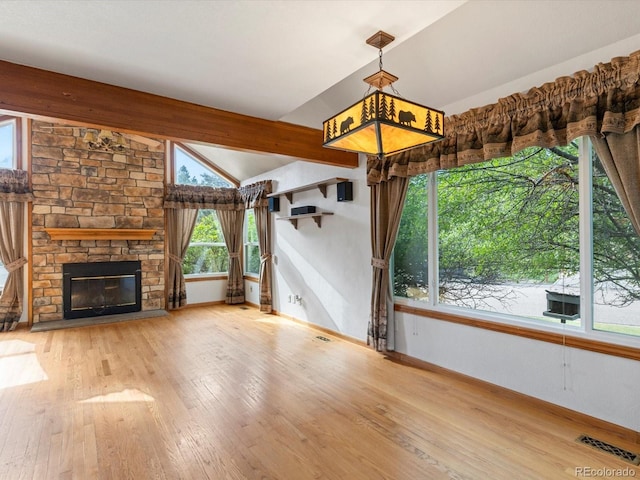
(323,189)
(318,221)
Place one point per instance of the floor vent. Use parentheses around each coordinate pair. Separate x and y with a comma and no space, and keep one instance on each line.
(621,453)
(244,308)
(324,339)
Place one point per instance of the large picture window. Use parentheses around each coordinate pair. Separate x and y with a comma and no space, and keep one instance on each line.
(207,251)
(507,243)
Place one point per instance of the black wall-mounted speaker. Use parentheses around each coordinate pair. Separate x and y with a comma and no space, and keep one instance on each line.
(345,191)
(274,204)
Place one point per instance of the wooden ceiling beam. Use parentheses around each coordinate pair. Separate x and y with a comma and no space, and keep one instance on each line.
(42,93)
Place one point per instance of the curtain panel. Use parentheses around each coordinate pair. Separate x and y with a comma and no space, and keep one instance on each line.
(180,225)
(603,101)
(387,201)
(231,222)
(263,225)
(14,192)
(12,257)
(203,197)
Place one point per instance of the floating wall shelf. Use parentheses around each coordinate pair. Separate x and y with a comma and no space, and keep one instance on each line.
(99,233)
(317,217)
(322,186)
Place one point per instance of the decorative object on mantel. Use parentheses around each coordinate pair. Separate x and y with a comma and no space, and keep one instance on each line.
(105,141)
(382,124)
(100,233)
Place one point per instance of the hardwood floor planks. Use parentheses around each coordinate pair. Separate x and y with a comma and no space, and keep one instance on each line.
(220,392)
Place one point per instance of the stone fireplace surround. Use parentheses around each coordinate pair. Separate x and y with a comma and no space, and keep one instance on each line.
(75,187)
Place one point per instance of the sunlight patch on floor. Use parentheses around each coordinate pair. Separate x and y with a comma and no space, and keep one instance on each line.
(126,395)
(19,364)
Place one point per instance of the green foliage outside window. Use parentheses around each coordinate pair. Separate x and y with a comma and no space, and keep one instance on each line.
(251,247)
(207,252)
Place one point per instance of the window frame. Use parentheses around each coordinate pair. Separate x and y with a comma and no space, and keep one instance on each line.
(580,336)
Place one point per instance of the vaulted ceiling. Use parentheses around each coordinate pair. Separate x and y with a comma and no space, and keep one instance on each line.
(301,61)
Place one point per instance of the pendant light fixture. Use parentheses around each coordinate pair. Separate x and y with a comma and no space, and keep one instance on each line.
(381,123)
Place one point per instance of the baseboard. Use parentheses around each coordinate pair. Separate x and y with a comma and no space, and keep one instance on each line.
(328,331)
(203,304)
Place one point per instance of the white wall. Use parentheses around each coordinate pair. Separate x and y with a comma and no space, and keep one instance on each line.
(328,267)
(206,291)
(599,385)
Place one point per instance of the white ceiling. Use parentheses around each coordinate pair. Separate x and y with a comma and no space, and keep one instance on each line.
(300,61)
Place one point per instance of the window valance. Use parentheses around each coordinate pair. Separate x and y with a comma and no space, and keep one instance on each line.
(255,194)
(604,100)
(14,186)
(203,197)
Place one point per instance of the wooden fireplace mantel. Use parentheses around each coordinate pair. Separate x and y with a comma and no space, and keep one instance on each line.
(99,233)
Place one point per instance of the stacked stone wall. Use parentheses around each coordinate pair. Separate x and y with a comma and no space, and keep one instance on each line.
(75,186)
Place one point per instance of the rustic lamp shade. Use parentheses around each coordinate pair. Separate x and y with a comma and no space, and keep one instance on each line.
(383,124)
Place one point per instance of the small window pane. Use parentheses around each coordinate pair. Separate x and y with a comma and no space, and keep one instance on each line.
(207,252)
(251,247)
(189,171)
(3,277)
(7,144)
(252,259)
(410,253)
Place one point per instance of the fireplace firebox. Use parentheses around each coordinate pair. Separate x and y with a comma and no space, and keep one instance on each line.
(101,288)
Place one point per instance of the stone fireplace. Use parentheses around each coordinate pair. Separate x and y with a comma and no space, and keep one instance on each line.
(103,195)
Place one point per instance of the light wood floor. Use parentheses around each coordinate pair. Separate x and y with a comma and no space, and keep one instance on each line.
(227,393)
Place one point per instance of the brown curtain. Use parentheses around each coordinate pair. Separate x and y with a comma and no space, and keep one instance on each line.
(11,255)
(620,157)
(231,222)
(263,225)
(14,192)
(603,101)
(387,200)
(180,225)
